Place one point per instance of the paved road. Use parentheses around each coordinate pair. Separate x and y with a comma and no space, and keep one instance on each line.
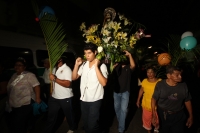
(133,126)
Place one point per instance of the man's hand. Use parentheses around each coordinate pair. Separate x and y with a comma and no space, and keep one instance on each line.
(154,120)
(189,122)
(79,61)
(52,77)
(127,53)
(96,62)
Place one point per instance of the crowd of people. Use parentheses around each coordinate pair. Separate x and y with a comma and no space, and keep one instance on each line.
(163,101)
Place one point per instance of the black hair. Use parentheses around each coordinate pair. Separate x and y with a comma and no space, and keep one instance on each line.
(90,46)
(170,69)
(63,59)
(152,68)
(21,60)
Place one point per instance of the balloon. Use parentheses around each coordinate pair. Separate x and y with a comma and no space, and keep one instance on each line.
(188,43)
(46,10)
(186,34)
(164,59)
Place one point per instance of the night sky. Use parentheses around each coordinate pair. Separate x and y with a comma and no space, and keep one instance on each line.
(159,17)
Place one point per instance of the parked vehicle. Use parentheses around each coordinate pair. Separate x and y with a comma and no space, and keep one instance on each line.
(31,48)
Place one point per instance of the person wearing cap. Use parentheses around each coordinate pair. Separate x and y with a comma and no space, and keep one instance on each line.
(47,82)
(93,78)
(170,96)
(61,96)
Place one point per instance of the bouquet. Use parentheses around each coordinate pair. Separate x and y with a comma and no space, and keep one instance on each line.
(113,37)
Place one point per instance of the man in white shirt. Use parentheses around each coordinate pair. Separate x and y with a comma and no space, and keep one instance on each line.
(47,83)
(61,96)
(93,79)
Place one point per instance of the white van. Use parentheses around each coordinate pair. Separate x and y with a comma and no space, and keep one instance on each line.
(31,48)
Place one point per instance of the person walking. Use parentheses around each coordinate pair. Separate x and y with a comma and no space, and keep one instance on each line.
(93,79)
(146,92)
(23,89)
(61,97)
(170,96)
(123,72)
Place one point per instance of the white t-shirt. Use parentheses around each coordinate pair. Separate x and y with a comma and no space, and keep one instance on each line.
(60,92)
(91,89)
(46,76)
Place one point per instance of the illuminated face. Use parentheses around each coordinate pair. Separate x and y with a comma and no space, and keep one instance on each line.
(150,74)
(89,55)
(175,76)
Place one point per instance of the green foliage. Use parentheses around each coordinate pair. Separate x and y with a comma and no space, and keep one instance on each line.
(54,35)
(179,57)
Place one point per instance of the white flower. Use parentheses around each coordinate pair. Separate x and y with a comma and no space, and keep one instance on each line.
(100,49)
(106,40)
(126,21)
(106,32)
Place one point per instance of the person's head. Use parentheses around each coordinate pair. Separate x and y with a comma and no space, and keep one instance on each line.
(90,51)
(108,16)
(46,63)
(151,74)
(20,65)
(109,13)
(61,61)
(174,73)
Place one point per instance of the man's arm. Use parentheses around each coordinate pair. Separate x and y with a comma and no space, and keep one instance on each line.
(153,107)
(64,83)
(132,62)
(100,77)
(76,67)
(75,72)
(190,118)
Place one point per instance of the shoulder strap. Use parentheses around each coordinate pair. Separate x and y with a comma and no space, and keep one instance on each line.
(84,63)
(100,65)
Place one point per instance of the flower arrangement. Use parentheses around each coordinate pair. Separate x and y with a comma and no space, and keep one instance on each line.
(113,37)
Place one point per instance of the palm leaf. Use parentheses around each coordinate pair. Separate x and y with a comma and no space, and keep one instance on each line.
(54,38)
(54,35)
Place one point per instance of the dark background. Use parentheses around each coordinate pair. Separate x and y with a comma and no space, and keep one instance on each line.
(159,17)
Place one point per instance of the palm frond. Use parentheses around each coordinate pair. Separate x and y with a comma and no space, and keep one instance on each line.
(54,35)
(179,57)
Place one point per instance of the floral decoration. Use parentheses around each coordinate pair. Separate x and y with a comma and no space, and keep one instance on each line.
(113,37)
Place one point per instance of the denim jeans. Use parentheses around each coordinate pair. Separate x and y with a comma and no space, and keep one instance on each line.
(121,103)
